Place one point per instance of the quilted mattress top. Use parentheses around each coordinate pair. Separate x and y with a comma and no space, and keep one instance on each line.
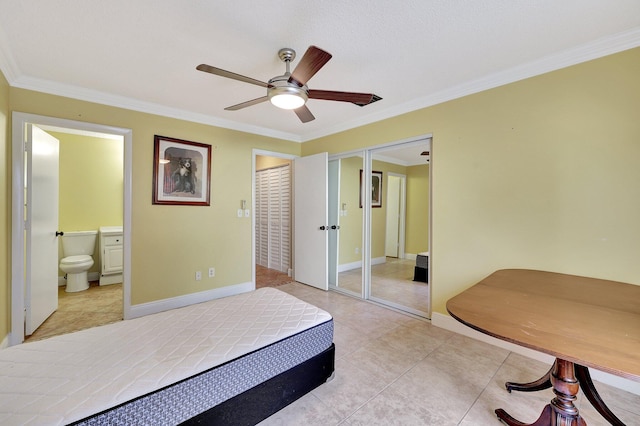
(69,377)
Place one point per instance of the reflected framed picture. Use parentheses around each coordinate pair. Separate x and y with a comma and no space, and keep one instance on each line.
(376,189)
(181,172)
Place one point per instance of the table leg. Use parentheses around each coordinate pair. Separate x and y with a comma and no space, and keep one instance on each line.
(583,376)
(542,383)
(561,411)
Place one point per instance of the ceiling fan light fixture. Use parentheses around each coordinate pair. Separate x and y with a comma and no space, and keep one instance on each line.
(287,97)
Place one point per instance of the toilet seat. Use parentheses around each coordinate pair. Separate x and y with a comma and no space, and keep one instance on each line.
(74,260)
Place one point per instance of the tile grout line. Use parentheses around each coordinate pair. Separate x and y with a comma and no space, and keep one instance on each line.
(485,388)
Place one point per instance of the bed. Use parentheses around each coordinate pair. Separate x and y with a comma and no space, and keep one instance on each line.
(234,360)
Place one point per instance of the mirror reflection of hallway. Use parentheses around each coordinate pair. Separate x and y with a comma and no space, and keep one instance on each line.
(398,230)
(400,227)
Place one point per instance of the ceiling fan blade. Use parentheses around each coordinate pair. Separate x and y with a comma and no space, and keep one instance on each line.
(229,74)
(247,104)
(312,60)
(304,114)
(360,99)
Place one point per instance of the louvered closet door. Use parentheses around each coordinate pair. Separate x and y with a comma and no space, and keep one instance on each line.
(262,218)
(285,218)
(279,218)
(273,218)
(275,242)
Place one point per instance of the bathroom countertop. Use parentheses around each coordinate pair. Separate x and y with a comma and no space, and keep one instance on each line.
(111,229)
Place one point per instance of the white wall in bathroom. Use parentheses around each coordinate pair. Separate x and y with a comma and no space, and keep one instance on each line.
(91,184)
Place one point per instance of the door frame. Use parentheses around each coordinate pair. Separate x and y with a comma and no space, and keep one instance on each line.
(255,153)
(402,212)
(18,261)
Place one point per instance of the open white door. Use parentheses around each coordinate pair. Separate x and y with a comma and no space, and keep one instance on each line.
(41,284)
(310,220)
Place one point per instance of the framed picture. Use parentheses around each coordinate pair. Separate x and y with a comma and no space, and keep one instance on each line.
(181,172)
(376,189)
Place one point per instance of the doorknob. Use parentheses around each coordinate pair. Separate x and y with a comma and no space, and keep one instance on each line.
(335,227)
(59,233)
(324,228)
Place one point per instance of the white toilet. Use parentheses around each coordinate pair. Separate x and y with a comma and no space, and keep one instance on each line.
(77,247)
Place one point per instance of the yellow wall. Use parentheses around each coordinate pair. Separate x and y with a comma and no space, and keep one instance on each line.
(541,173)
(417,222)
(266,162)
(5,206)
(169,243)
(351,223)
(91,185)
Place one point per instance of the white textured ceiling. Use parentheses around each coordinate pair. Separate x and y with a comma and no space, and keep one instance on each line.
(142,54)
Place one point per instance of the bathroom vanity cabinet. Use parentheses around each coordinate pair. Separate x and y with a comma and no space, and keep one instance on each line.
(111,254)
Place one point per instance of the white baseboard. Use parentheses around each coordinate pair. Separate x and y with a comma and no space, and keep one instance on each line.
(356,265)
(349,266)
(449,323)
(188,299)
(379,260)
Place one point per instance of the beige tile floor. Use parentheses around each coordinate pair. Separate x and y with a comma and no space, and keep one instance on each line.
(393,369)
(391,281)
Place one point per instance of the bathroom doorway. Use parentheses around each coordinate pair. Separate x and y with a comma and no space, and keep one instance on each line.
(121,140)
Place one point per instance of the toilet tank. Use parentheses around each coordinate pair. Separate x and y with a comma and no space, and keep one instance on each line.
(75,243)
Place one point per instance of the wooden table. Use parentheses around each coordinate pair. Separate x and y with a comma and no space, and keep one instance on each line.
(583,322)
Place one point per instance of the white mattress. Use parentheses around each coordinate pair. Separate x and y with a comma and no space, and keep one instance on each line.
(70,377)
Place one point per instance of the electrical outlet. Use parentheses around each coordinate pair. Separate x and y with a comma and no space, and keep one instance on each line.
(357,250)
(239,212)
(212,272)
(247,213)
(198,275)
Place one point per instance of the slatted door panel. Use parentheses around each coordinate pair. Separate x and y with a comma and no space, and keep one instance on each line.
(273,218)
(275,240)
(262,218)
(285,218)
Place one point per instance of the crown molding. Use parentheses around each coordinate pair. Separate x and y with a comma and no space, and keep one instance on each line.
(593,50)
(95,96)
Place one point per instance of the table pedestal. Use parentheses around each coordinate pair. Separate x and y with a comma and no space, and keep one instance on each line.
(561,411)
(565,377)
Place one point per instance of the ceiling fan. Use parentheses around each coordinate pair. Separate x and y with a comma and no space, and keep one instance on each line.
(290,91)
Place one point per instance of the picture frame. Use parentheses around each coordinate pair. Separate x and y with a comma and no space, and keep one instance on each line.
(181,172)
(376,189)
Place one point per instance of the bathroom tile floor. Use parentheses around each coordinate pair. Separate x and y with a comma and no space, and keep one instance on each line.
(84,309)
(394,369)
